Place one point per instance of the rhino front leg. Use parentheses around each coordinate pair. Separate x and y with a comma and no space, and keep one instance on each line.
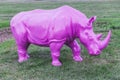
(22,52)
(75,50)
(55,48)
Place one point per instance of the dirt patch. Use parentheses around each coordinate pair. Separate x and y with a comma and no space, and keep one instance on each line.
(5,34)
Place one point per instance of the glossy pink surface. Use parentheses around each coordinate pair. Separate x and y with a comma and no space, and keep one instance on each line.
(54,28)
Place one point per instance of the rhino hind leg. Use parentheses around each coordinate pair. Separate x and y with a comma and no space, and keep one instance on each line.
(21,42)
(55,48)
(22,52)
(75,50)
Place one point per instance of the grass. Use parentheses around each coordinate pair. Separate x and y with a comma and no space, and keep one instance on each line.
(4,23)
(102,9)
(38,67)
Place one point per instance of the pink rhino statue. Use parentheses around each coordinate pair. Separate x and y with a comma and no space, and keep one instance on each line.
(54,28)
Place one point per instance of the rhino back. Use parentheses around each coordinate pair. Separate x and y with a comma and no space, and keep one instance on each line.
(44,26)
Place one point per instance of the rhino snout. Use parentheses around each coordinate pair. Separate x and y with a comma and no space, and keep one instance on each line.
(94,50)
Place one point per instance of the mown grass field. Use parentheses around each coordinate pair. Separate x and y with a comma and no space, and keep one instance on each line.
(103,67)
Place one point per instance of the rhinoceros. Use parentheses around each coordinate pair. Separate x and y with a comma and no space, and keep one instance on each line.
(54,28)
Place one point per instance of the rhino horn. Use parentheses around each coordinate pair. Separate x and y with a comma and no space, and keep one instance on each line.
(105,42)
(99,36)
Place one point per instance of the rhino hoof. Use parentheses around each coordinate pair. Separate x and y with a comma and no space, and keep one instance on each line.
(78,58)
(56,63)
(23,59)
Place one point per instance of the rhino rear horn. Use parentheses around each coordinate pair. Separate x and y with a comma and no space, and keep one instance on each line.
(99,36)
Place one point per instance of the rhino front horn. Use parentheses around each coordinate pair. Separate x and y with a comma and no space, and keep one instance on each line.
(105,42)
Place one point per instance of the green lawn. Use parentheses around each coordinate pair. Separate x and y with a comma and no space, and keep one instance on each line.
(103,67)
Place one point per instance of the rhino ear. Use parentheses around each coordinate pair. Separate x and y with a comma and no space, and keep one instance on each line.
(92,19)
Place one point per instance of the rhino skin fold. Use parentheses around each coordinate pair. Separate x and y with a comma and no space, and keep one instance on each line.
(54,28)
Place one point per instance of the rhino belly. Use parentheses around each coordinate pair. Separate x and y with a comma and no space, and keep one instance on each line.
(38,36)
(42,38)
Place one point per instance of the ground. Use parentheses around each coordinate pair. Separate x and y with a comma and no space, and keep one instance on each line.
(5,34)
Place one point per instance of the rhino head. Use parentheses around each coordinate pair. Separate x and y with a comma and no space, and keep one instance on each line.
(93,41)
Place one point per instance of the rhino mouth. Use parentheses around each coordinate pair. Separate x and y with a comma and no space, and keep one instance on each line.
(95,53)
